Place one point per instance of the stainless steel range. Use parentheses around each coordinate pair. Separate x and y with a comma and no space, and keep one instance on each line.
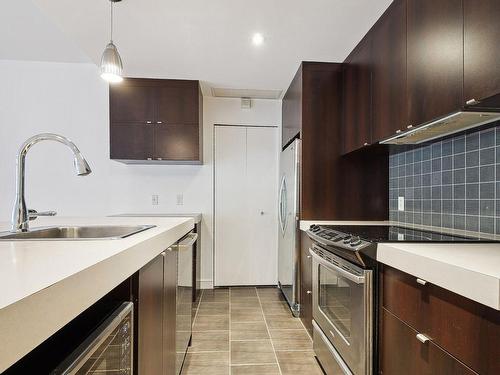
(344,284)
(342,302)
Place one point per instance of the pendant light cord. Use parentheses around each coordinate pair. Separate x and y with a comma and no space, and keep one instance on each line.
(111,34)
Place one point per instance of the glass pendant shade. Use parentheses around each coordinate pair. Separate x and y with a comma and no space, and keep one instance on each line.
(111,64)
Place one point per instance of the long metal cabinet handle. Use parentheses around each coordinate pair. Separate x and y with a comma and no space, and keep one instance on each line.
(354,278)
(189,240)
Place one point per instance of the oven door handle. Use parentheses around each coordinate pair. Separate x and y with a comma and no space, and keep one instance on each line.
(350,276)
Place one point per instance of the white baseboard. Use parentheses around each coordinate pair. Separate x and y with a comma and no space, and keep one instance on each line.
(206,284)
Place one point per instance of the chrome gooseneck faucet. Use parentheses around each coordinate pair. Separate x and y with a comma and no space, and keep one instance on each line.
(20,215)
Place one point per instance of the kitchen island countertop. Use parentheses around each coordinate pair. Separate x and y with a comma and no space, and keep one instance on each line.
(46,284)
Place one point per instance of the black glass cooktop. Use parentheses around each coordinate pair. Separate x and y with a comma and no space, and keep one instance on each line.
(390,233)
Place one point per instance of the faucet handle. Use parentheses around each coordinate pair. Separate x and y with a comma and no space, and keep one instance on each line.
(33,214)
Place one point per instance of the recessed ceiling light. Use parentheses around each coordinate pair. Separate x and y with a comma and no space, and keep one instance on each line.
(257,39)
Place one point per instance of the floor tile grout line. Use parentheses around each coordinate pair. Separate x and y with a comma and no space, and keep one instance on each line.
(269,333)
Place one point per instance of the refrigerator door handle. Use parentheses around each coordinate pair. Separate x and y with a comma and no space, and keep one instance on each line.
(285,205)
(280,213)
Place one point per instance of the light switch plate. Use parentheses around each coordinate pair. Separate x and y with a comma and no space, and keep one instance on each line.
(154,200)
(180,199)
(401,203)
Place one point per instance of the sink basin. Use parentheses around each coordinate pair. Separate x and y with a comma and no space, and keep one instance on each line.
(65,233)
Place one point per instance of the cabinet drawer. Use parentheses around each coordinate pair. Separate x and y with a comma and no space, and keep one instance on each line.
(403,353)
(464,328)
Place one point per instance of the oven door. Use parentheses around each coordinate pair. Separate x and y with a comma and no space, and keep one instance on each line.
(342,308)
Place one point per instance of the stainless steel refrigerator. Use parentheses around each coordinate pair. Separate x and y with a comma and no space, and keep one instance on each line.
(289,231)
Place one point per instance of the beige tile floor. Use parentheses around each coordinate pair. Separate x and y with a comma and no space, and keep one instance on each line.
(248,331)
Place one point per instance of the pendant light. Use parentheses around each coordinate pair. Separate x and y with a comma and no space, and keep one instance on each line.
(111,62)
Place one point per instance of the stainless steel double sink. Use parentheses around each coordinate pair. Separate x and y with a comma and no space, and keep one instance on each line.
(69,233)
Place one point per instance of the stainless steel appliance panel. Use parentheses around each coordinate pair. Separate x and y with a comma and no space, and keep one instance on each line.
(342,307)
(288,217)
(109,349)
(329,358)
(184,300)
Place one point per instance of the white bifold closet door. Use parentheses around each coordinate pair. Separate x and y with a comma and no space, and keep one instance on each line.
(246,161)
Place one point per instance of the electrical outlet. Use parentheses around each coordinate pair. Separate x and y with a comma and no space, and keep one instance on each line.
(154,200)
(180,199)
(401,203)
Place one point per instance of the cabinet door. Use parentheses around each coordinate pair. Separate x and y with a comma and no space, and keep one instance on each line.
(306,283)
(399,348)
(403,297)
(169,311)
(403,353)
(435,59)
(177,142)
(357,98)
(291,110)
(151,317)
(481,55)
(131,141)
(178,103)
(466,329)
(131,102)
(389,72)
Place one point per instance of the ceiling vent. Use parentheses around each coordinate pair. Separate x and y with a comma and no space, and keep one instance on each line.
(246,93)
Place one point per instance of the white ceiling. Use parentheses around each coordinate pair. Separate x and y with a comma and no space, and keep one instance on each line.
(27,34)
(210,40)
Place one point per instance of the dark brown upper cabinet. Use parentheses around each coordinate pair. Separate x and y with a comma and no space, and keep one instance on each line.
(357,105)
(481,52)
(132,102)
(389,72)
(156,121)
(314,109)
(176,102)
(434,66)
(292,111)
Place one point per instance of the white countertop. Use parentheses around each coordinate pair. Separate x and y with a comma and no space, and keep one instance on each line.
(471,270)
(195,215)
(305,224)
(46,284)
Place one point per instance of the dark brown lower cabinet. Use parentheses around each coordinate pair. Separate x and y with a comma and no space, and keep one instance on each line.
(157,294)
(306,283)
(169,311)
(465,329)
(150,341)
(403,353)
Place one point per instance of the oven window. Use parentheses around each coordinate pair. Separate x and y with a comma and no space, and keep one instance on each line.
(335,299)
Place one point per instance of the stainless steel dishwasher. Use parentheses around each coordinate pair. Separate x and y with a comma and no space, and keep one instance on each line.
(184,300)
(109,349)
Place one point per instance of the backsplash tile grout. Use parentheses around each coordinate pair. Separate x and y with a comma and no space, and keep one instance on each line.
(450,183)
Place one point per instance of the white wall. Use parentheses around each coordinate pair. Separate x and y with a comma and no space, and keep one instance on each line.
(72,100)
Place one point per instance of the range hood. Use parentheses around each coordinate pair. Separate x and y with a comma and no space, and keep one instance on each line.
(450,124)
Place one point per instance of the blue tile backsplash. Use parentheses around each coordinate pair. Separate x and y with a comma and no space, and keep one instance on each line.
(454,183)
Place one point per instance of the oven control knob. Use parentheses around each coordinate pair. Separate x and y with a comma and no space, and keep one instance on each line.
(347,239)
(355,241)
